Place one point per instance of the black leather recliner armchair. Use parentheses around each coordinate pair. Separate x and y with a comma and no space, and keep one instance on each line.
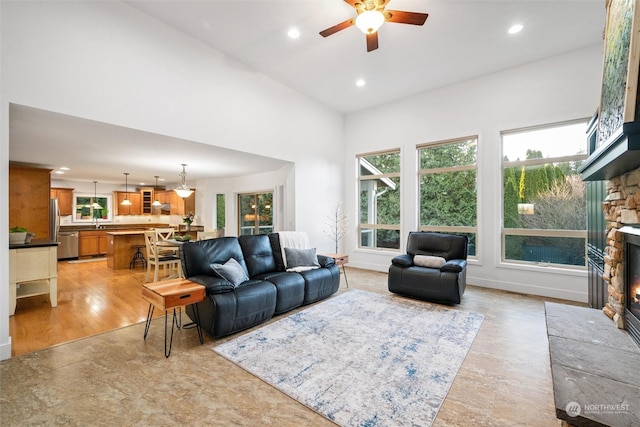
(438,283)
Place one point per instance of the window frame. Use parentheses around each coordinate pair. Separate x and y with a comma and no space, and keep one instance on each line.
(458,168)
(257,227)
(90,196)
(369,227)
(538,232)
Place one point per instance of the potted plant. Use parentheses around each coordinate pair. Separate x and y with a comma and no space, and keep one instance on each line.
(17,235)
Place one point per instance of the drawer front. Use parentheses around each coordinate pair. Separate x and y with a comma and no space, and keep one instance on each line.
(184,299)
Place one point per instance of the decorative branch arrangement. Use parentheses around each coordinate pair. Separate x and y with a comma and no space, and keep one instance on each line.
(336,224)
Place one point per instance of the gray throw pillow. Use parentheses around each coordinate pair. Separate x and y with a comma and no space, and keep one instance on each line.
(231,271)
(301,258)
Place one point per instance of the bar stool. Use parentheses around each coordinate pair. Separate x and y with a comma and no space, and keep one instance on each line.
(138,256)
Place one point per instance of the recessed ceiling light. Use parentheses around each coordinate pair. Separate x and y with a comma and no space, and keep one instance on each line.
(142,183)
(514,29)
(360,82)
(59,172)
(293,33)
(64,168)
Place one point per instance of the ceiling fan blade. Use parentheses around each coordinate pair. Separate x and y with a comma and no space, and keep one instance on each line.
(341,26)
(372,41)
(402,17)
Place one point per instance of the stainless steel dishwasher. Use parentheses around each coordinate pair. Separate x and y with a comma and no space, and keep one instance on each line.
(68,247)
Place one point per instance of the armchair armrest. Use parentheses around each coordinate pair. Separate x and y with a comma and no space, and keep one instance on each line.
(454,265)
(325,261)
(404,260)
(214,285)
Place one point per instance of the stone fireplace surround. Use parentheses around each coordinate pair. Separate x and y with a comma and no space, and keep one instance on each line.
(621,208)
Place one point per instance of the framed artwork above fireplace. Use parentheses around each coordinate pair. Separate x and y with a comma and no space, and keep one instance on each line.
(620,68)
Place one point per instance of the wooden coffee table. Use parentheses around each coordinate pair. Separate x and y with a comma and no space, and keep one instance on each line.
(169,295)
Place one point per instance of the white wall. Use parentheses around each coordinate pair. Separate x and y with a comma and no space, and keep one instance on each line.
(557,89)
(108,62)
(280,182)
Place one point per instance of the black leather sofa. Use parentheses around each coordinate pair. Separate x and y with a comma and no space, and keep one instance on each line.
(270,289)
(444,280)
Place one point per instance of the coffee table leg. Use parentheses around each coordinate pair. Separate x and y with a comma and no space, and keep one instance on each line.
(345,275)
(173,322)
(149,316)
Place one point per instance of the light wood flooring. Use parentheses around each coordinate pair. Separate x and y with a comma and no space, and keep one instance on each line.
(91,299)
(117,378)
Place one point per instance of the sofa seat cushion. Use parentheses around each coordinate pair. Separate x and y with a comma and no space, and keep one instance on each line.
(250,304)
(320,283)
(290,288)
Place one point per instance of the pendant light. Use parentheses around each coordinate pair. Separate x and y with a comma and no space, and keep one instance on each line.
(95,204)
(126,201)
(156,202)
(183,191)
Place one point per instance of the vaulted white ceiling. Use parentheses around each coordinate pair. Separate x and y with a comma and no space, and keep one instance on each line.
(460,40)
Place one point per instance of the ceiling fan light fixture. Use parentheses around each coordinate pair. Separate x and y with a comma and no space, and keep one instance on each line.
(369,21)
(183,190)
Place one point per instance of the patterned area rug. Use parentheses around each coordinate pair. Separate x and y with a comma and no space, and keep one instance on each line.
(362,359)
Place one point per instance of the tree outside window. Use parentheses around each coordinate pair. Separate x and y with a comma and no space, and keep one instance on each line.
(544,202)
(379,200)
(449,189)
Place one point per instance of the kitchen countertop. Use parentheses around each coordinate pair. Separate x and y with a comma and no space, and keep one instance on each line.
(125,232)
(35,243)
(110,227)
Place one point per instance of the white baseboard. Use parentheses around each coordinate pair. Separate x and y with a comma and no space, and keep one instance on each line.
(527,289)
(5,350)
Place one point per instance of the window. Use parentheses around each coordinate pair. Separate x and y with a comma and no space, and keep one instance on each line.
(544,205)
(220,211)
(91,208)
(447,181)
(379,204)
(255,211)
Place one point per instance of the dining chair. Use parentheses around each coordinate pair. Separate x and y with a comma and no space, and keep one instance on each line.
(156,259)
(166,233)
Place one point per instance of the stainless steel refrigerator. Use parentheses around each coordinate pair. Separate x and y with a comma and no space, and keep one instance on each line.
(54,219)
(68,240)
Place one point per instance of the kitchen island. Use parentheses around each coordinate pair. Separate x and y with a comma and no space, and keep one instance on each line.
(119,244)
(33,270)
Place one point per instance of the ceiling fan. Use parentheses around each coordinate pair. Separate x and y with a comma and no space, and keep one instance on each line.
(371,15)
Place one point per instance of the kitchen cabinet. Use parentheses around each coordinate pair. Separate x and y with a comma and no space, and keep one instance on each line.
(172,204)
(29,195)
(91,243)
(65,200)
(136,205)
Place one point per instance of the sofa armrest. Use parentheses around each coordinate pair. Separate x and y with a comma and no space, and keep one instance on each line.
(325,261)
(404,260)
(454,266)
(214,285)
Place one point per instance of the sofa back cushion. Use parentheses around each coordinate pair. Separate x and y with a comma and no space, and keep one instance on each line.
(447,246)
(274,239)
(258,254)
(198,256)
